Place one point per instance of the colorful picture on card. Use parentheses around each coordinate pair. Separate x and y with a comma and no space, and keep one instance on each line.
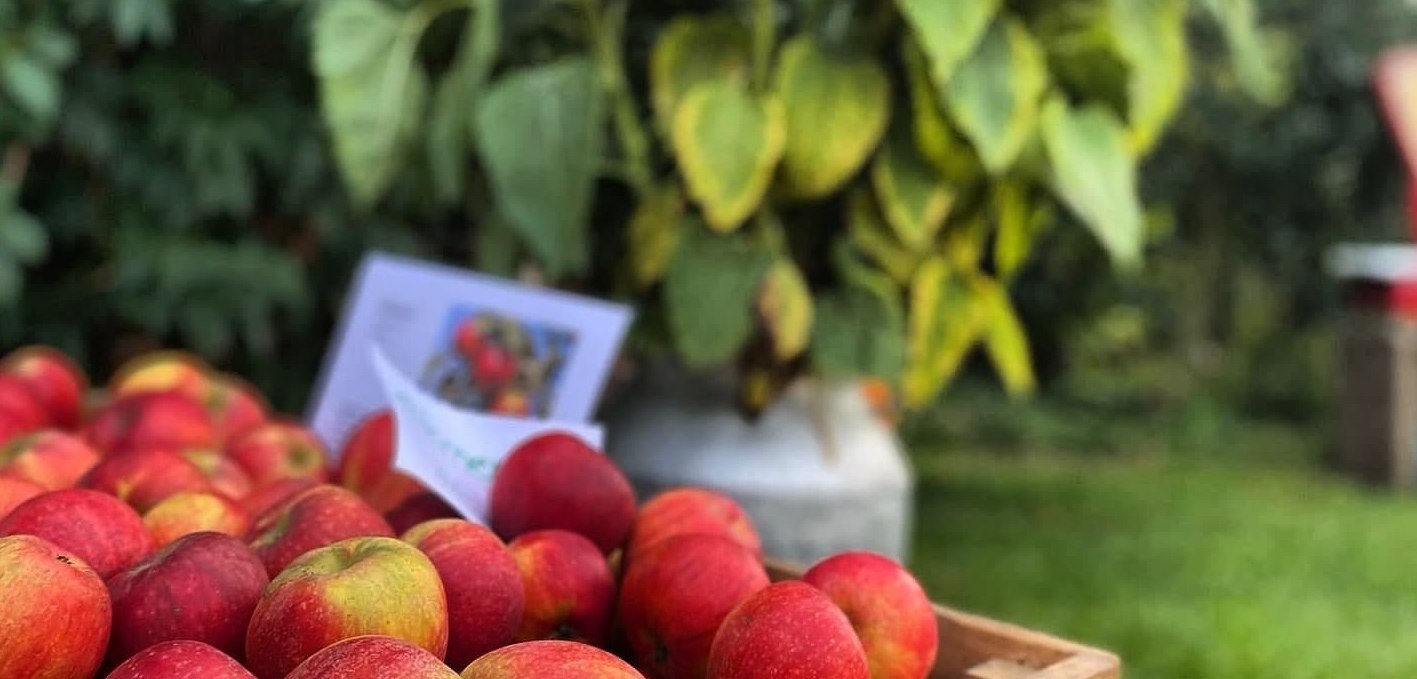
(491,362)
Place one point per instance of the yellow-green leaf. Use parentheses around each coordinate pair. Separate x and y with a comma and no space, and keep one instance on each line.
(1005,340)
(935,137)
(727,142)
(837,107)
(912,195)
(785,305)
(654,231)
(946,320)
(995,94)
(948,30)
(1095,174)
(963,242)
(871,236)
(1257,65)
(1017,223)
(693,50)
(1151,37)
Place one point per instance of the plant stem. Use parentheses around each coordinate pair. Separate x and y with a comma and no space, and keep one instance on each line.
(764,34)
(605,32)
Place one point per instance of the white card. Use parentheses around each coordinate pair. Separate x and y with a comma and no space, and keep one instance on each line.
(561,346)
(453,452)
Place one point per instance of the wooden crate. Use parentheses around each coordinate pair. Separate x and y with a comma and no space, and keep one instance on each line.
(975,647)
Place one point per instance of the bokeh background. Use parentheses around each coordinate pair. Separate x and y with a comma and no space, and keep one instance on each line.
(168,181)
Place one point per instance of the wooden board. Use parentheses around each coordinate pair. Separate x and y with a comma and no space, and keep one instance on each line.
(975,647)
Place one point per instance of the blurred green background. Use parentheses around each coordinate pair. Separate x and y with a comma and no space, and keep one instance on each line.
(1163,496)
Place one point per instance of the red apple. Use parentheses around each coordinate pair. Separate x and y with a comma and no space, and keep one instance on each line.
(557,481)
(107,534)
(166,420)
(394,490)
(468,338)
(235,406)
(267,497)
(676,593)
(20,405)
(317,517)
(559,659)
(890,612)
(156,371)
(568,587)
(279,450)
(55,381)
(372,657)
(493,367)
(225,476)
(348,589)
(687,511)
(13,492)
(51,459)
(202,587)
(789,629)
(10,428)
(180,660)
(54,612)
(483,585)
(368,454)
(145,477)
(424,506)
(188,513)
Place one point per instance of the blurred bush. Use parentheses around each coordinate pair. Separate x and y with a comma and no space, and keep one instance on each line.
(166,181)
(1235,306)
(166,178)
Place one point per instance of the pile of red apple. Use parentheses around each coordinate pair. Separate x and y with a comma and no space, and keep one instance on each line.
(176,529)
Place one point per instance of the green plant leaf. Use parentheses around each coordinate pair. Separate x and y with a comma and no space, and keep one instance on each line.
(913,196)
(948,30)
(133,20)
(22,237)
(450,116)
(693,50)
(539,132)
(996,93)
(371,89)
(1151,37)
(1095,174)
(858,331)
(709,292)
(727,142)
(33,87)
(1004,339)
(1256,65)
(946,321)
(870,235)
(785,305)
(828,97)
(654,231)
(935,137)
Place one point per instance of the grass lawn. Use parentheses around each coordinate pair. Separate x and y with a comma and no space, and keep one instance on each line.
(1213,551)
